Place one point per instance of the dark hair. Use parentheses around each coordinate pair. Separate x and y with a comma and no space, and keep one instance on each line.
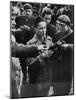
(46,11)
(38,20)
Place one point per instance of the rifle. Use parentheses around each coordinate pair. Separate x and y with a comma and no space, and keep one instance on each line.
(61,39)
(50,48)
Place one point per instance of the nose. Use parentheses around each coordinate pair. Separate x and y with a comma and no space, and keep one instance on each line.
(27,13)
(44,29)
(14,23)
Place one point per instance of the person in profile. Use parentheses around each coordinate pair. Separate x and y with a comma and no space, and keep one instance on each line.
(63,71)
(63,28)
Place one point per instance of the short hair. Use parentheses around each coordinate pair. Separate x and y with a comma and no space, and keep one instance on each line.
(46,11)
(15,10)
(38,20)
(27,6)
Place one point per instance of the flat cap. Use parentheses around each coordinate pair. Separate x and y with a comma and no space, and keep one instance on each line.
(64,19)
(27,6)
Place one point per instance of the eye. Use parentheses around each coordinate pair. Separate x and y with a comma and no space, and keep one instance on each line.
(12,19)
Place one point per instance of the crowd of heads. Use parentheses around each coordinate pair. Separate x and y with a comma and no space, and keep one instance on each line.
(60,16)
(50,12)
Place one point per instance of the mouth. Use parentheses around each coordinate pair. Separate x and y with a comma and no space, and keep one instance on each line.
(42,34)
(13,27)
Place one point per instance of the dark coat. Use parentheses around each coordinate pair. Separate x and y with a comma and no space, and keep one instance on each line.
(51,30)
(63,71)
(22,35)
(22,52)
(19,50)
(69,37)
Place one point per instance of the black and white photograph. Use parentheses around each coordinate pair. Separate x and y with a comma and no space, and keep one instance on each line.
(42,49)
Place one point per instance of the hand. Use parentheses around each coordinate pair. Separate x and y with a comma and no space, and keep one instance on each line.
(42,47)
(65,45)
(59,43)
(47,54)
(13,30)
(26,27)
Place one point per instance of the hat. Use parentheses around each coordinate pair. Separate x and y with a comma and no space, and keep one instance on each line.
(27,6)
(64,19)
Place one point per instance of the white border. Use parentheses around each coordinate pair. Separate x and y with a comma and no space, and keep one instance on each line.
(5,48)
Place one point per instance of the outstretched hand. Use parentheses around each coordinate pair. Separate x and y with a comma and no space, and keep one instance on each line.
(42,47)
(47,54)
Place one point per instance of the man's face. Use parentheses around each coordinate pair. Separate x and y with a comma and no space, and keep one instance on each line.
(41,29)
(28,12)
(13,23)
(61,27)
(14,14)
(47,18)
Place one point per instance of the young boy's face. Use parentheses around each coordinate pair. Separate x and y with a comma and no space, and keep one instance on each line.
(47,18)
(28,12)
(41,29)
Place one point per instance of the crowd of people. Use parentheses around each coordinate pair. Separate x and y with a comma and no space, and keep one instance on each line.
(42,49)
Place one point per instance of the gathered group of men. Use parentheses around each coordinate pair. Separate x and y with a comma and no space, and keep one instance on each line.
(41,53)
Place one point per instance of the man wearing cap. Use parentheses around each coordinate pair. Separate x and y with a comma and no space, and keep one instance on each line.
(63,26)
(63,67)
(27,10)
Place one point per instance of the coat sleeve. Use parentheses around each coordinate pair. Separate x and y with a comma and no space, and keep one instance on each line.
(19,50)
